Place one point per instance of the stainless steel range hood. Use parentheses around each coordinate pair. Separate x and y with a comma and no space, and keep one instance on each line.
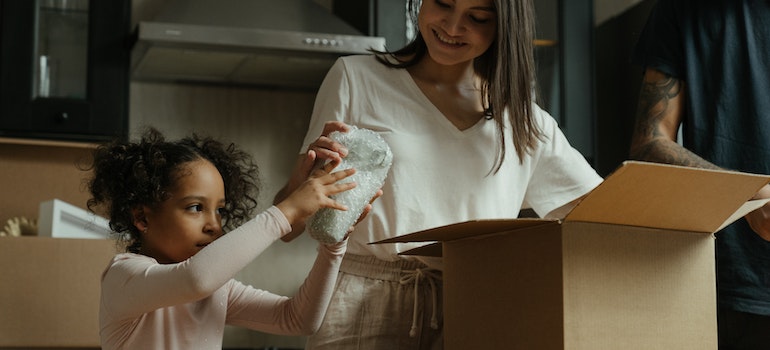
(281,43)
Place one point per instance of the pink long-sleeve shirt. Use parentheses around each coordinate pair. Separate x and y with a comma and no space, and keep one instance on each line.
(147,305)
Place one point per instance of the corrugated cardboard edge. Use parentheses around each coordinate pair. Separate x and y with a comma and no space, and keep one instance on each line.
(746,208)
(668,197)
(466,229)
(435,249)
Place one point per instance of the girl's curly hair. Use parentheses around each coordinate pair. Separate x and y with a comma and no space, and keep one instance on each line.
(129,175)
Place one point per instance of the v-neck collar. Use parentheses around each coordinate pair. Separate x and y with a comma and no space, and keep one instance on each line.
(438,115)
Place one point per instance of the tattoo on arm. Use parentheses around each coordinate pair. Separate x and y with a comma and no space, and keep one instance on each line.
(650,143)
(654,100)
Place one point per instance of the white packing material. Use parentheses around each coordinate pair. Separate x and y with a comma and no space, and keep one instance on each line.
(370,155)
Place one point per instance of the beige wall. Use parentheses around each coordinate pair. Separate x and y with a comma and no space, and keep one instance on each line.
(31,173)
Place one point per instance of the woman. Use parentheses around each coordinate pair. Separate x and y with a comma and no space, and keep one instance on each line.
(456,107)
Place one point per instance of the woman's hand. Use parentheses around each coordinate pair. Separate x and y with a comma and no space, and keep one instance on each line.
(326,149)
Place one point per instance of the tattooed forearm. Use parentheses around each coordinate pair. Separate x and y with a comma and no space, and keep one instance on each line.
(667,151)
(654,137)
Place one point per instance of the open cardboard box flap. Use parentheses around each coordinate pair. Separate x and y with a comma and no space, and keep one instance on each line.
(636,194)
(669,197)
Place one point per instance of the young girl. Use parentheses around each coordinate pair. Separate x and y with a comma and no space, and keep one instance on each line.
(456,105)
(172,203)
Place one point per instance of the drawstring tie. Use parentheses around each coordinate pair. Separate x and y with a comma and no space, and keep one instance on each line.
(415,276)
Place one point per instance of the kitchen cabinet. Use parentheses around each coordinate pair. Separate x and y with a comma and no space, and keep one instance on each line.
(381,18)
(64,69)
(564,57)
(618,83)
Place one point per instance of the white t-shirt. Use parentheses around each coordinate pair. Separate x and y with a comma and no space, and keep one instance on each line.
(440,174)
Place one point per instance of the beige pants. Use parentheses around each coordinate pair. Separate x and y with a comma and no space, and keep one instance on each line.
(382,305)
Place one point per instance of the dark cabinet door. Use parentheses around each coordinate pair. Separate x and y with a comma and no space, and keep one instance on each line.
(64,69)
(383,18)
(564,56)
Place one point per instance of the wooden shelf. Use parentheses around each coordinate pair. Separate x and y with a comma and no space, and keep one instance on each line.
(51,143)
(545,42)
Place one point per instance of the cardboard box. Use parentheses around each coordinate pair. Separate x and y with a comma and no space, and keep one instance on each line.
(49,290)
(631,267)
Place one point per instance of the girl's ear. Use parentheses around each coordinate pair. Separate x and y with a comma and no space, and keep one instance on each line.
(140,220)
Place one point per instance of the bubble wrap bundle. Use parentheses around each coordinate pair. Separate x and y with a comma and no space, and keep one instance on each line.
(370,155)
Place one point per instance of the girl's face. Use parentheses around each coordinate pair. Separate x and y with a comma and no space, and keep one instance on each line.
(190,218)
(457,31)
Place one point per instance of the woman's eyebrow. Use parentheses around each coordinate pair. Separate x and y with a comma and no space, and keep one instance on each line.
(484,8)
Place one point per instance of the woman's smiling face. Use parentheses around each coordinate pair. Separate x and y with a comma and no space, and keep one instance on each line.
(457,31)
(190,218)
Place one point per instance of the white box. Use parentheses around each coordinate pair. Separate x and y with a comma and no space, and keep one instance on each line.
(60,219)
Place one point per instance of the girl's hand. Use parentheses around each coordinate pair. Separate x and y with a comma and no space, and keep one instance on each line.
(323,152)
(314,194)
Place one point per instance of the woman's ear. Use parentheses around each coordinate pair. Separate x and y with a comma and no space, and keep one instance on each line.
(140,220)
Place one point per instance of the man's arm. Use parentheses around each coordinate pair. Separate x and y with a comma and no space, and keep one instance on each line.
(658,117)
